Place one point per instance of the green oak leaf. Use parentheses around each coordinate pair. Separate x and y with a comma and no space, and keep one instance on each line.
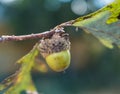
(104,24)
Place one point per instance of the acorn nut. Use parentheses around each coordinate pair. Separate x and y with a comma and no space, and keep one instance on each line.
(56,51)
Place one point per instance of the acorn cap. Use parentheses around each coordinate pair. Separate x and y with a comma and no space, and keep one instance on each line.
(56,43)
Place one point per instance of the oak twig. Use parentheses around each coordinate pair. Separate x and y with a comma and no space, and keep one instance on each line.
(58,28)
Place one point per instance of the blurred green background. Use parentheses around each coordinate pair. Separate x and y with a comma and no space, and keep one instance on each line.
(94,68)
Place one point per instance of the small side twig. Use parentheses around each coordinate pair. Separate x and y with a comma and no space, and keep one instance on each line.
(58,28)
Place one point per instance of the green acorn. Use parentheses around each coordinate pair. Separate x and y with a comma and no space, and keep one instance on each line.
(56,51)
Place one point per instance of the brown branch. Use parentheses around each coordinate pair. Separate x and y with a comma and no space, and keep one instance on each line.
(58,28)
(25,37)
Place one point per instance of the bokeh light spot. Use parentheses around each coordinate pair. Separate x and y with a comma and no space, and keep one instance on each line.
(7,1)
(101,3)
(79,7)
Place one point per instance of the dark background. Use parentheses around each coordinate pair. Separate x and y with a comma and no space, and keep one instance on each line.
(94,68)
